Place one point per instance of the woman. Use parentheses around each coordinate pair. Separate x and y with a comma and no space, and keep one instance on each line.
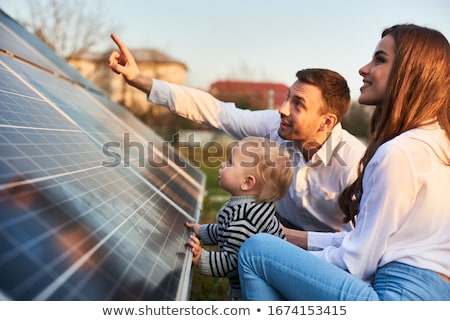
(400,247)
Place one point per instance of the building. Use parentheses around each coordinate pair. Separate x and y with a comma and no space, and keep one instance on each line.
(152,63)
(251,95)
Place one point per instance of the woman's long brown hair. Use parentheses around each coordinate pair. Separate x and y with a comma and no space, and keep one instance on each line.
(417,93)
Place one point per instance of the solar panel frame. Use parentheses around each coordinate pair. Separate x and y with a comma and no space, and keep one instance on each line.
(68,223)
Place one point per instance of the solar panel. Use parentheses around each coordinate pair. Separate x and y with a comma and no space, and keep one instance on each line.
(92,201)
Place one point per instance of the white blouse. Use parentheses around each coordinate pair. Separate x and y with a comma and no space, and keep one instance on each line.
(404,212)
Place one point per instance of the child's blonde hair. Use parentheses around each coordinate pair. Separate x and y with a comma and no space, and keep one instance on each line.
(274,170)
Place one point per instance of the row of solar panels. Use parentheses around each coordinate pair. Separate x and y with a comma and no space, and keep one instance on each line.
(81,216)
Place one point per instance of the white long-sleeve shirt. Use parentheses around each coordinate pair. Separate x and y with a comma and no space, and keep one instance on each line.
(312,200)
(404,211)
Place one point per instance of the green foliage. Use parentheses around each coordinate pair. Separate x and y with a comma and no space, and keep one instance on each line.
(165,123)
(357,120)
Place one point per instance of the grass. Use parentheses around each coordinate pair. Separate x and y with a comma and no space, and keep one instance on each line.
(203,287)
(207,287)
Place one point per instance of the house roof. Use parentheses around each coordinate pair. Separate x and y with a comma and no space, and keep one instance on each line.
(140,55)
(234,88)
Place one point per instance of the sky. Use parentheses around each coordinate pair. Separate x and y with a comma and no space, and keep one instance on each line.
(261,40)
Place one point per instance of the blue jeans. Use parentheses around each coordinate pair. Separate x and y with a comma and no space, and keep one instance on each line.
(273,269)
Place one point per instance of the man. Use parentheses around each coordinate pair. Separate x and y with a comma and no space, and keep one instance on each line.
(325,155)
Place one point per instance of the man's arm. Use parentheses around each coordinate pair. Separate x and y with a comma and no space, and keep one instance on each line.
(123,63)
(193,104)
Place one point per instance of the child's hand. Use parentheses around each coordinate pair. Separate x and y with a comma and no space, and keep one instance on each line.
(193,227)
(196,249)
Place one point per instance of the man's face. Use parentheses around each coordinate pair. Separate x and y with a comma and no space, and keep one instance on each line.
(301,115)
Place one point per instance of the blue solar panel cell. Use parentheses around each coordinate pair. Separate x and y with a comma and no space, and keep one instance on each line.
(73,227)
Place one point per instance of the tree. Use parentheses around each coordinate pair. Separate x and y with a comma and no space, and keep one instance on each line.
(357,120)
(70,28)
